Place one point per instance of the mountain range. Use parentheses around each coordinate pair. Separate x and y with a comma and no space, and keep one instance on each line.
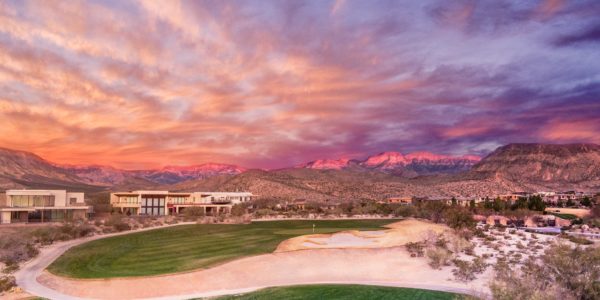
(410,165)
(514,167)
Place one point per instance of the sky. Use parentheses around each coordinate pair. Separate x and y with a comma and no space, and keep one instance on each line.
(268,84)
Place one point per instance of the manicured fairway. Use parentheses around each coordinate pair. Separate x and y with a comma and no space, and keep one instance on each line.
(187,247)
(354,292)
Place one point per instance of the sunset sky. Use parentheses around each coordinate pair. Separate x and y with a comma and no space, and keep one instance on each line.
(143,84)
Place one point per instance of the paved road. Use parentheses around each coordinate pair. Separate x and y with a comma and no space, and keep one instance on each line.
(368,266)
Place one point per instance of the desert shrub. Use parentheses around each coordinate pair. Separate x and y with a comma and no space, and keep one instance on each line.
(441,242)
(265,212)
(117,223)
(121,226)
(438,257)
(466,271)
(520,245)
(238,210)
(458,244)
(7,282)
(562,272)
(193,212)
(10,267)
(416,249)
(577,239)
(404,211)
(478,232)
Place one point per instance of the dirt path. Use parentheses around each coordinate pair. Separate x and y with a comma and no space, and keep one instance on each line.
(376,266)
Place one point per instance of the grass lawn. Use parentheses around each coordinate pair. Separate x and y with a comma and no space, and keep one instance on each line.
(565,216)
(187,247)
(309,292)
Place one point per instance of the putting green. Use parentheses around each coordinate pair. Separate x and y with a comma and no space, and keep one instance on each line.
(188,247)
(355,292)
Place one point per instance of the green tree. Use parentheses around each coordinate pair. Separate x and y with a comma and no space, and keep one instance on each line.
(459,218)
(472,204)
(536,203)
(487,204)
(586,201)
(498,205)
(521,203)
(570,203)
(454,202)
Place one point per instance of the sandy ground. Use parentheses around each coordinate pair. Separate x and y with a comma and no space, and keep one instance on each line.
(579,212)
(398,234)
(385,264)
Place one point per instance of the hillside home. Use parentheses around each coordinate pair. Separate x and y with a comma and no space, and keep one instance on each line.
(160,203)
(27,206)
(403,200)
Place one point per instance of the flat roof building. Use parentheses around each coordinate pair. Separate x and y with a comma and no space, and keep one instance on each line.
(25,206)
(160,203)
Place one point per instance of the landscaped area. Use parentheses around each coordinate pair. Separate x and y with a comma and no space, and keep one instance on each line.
(308,292)
(188,247)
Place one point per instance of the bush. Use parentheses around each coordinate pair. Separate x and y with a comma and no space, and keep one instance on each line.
(7,282)
(10,267)
(438,257)
(404,211)
(193,212)
(117,223)
(238,210)
(416,249)
(466,270)
(459,218)
(577,239)
(562,272)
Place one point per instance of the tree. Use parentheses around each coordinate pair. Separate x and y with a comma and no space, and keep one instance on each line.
(536,203)
(521,203)
(472,204)
(586,201)
(433,210)
(487,204)
(454,202)
(498,204)
(459,218)
(570,203)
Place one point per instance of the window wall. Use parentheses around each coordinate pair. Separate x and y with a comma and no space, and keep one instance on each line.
(128,199)
(31,200)
(154,206)
(179,199)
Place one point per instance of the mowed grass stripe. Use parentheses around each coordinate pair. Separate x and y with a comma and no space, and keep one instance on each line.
(336,292)
(187,247)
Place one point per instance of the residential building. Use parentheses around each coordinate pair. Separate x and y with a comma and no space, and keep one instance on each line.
(25,206)
(403,200)
(160,203)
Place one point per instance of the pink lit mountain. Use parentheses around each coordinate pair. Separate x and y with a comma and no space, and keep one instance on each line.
(410,165)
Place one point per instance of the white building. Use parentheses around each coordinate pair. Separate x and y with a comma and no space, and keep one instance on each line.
(159,203)
(23,206)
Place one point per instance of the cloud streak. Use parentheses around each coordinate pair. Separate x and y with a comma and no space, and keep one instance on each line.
(141,84)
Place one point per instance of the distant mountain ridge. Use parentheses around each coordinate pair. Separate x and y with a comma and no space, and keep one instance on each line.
(543,163)
(510,168)
(410,165)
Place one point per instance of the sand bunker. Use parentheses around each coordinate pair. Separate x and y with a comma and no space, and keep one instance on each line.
(398,234)
(342,240)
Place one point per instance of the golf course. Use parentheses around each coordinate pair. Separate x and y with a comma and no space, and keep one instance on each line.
(188,247)
(357,292)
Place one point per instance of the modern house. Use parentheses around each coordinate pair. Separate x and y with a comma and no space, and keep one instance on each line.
(160,203)
(24,206)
